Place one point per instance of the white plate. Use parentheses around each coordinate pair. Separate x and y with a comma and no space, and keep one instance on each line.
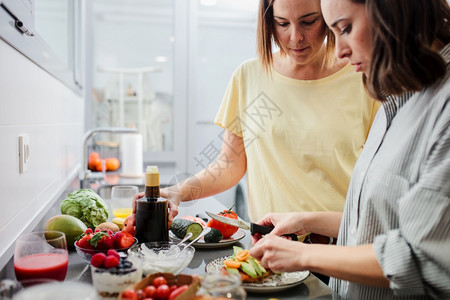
(269,284)
(239,235)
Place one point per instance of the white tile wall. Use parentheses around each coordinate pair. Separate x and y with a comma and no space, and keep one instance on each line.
(34,102)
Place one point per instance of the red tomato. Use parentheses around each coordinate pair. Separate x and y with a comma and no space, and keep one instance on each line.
(162,292)
(178,292)
(225,229)
(149,291)
(160,280)
(130,294)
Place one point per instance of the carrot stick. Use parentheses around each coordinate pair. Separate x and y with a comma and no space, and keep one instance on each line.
(243,255)
(229,263)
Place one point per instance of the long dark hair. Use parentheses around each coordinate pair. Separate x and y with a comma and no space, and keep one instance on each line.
(404,32)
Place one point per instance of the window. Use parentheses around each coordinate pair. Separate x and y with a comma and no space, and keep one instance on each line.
(133,65)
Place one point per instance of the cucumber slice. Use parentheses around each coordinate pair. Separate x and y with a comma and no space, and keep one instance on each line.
(255,266)
(232,271)
(248,269)
(179,227)
(236,250)
(195,228)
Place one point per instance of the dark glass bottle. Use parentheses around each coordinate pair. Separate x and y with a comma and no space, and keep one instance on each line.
(152,211)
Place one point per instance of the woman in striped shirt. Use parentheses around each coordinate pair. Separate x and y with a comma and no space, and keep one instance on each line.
(394,234)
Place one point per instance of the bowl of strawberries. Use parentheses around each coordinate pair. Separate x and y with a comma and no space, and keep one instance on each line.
(100,241)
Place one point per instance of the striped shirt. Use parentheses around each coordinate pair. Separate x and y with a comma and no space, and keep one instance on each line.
(398,198)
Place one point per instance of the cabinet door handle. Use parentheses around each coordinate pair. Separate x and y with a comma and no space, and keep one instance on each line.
(22,28)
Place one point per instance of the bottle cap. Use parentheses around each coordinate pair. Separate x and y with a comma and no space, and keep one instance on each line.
(152,170)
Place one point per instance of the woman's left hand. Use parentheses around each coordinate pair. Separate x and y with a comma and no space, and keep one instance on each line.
(278,253)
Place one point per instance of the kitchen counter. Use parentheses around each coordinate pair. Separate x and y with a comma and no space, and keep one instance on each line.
(312,287)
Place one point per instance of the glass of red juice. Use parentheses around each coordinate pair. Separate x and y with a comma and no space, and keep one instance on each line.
(41,255)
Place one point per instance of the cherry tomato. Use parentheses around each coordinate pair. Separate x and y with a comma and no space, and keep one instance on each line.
(130,294)
(178,292)
(159,281)
(162,292)
(140,294)
(149,291)
(173,287)
(225,229)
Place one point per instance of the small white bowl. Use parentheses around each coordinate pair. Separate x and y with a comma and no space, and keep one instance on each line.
(162,257)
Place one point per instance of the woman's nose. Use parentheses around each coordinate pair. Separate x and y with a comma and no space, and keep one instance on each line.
(296,34)
(342,49)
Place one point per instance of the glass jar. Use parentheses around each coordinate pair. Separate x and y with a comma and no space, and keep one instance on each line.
(223,286)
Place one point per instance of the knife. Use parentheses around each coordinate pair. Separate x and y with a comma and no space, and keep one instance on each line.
(253,227)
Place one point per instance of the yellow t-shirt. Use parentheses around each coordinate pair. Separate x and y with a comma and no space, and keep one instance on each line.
(301,137)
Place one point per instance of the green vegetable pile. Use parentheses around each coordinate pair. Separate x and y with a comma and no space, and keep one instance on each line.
(87,206)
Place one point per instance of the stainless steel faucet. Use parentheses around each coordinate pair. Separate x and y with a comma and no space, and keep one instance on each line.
(87,136)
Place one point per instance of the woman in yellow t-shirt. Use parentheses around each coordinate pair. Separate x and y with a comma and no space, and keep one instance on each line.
(295,120)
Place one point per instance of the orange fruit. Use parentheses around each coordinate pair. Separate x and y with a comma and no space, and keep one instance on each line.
(112,164)
(93,163)
(94,160)
(94,155)
(99,165)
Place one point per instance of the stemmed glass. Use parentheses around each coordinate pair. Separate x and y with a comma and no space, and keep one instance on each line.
(122,200)
(41,255)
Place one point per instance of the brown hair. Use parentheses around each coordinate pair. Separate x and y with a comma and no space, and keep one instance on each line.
(403,34)
(265,36)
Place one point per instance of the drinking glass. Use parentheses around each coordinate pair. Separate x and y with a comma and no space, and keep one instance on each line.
(67,290)
(122,200)
(223,286)
(41,255)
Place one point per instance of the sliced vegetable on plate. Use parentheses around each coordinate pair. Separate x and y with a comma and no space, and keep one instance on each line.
(180,227)
(255,278)
(245,265)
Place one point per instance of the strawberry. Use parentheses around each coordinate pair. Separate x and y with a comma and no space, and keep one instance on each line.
(102,241)
(113,253)
(123,239)
(111,261)
(98,259)
(89,231)
(84,242)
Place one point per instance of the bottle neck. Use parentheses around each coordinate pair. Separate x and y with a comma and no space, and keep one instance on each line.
(151,185)
(151,191)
